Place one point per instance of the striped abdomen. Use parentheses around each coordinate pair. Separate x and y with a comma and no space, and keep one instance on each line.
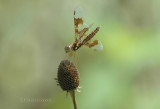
(90,36)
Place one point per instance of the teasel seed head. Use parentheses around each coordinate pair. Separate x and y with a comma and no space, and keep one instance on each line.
(68,76)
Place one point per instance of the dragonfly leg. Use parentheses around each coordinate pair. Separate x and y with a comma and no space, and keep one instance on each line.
(76,58)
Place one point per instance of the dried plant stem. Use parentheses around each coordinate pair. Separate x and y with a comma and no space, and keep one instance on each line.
(73,99)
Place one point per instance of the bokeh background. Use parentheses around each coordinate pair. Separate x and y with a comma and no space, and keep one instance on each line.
(125,75)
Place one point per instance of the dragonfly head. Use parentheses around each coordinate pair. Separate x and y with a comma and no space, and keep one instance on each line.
(68,48)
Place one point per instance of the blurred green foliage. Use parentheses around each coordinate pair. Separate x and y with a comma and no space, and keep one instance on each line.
(125,75)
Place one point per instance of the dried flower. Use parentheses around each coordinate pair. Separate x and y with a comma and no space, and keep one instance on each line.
(68,76)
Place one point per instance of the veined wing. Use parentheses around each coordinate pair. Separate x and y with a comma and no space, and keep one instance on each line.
(96,45)
(80,27)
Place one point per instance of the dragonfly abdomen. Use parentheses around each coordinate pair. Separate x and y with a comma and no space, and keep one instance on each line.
(90,36)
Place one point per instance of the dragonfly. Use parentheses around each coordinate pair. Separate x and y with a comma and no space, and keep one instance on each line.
(82,35)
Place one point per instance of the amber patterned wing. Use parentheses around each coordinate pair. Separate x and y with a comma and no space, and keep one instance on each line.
(80,27)
(96,45)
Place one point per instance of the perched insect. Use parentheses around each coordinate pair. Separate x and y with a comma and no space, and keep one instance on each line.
(81,36)
(68,75)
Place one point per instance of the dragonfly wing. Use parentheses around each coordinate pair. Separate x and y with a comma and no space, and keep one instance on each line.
(78,21)
(96,45)
(84,30)
(80,27)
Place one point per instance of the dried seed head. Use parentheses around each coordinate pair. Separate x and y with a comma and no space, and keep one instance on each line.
(68,76)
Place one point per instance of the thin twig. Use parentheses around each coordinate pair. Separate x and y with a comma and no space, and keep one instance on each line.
(73,99)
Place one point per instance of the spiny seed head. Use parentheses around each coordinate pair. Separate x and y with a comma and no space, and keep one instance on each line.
(68,76)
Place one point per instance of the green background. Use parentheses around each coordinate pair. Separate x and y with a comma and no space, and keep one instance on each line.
(125,75)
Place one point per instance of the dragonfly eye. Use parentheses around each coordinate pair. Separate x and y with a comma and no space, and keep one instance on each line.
(67,48)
